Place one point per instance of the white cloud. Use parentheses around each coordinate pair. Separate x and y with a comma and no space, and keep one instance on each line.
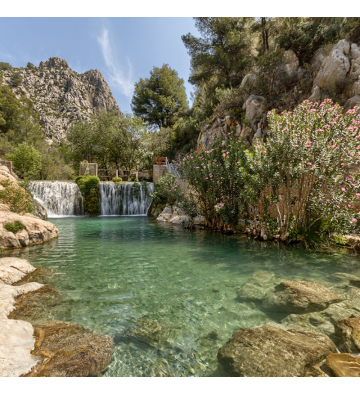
(123,79)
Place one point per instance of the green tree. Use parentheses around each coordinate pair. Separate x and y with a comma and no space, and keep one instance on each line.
(15,80)
(222,53)
(26,160)
(159,99)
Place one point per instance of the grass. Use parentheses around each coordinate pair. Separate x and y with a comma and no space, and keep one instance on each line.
(14,226)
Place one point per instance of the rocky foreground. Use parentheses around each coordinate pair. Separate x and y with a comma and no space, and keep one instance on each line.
(319,335)
(43,349)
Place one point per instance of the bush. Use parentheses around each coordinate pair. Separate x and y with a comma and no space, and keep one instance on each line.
(19,200)
(89,187)
(5,66)
(30,66)
(217,177)
(14,227)
(133,179)
(165,191)
(15,80)
(26,160)
(117,179)
(303,171)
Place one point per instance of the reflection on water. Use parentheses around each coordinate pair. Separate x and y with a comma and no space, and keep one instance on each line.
(167,295)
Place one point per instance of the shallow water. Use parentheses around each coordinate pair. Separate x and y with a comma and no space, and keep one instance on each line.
(123,275)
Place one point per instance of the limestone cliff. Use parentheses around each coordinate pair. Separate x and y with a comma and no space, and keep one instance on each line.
(61,95)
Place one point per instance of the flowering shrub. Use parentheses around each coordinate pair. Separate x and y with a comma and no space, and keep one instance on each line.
(217,177)
(303,169)
(166,192)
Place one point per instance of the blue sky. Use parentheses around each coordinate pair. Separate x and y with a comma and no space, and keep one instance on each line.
(123,49)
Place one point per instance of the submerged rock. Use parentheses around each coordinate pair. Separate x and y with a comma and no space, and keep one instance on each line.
(300,297)
(271,351)
(344,365)
(347,333)
(69,350)
(36,305)
(255,289)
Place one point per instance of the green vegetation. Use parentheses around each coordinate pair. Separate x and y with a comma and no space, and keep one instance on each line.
(160,99)
(89,187)
(15,80)
(27,160)
(19,199)
(5,66)
(296,185)
(117,179)
(14,227)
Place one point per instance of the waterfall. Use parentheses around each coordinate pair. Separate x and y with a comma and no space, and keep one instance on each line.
(60,198)
(126,198)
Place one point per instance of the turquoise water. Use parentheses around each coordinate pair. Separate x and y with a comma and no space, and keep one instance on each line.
(167,295)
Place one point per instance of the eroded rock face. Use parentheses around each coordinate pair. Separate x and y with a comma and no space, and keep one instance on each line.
(69,350)
(300,297)
(271,351)
(61,95)
(347,333)
(344,365)
(39,210)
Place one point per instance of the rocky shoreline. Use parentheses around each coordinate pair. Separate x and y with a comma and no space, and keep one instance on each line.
(43,349)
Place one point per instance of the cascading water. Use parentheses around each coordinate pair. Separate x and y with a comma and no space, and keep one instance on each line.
(127,198)
(60,198)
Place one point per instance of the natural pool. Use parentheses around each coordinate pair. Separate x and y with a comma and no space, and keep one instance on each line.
(167,295)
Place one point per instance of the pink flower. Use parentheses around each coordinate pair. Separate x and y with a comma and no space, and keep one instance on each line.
(354,220)
(343,189)
(308,163)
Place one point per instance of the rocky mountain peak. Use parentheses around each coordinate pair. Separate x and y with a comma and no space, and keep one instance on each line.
(62,96)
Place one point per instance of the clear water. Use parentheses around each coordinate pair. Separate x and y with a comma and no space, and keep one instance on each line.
(117,273)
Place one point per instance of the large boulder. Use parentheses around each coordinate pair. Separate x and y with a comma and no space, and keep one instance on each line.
(300,297)
(334,67)
(14,269)
(271,351)
(344,365)
(347,333)
(69,350)
(353,89)
(254,108)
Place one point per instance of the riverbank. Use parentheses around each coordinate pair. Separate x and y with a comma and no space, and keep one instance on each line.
(46,349)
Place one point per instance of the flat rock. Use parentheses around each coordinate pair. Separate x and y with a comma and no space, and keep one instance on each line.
(13,269)
(344,365)
(347,333)
(271,351)
(69,350)
(300,297)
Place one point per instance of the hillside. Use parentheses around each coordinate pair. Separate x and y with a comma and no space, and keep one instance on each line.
(61,95)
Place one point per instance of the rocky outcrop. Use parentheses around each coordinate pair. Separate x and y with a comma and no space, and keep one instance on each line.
(344,365)
(39,210)
(36,230)
(271,351)
(339,72)
(33,229)
(61,95)
(257,287)
(347,333)
(300,297)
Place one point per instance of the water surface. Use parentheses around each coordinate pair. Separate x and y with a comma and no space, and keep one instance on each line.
(167,295)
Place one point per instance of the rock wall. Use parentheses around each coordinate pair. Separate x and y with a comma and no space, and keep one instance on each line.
(61,95)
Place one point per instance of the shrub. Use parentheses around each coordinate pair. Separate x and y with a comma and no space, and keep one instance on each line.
(117,179)
(15,80)
(217,177)
(5,66)
(26,160)
(19,200)
(133,179)
(165,191)
(89,187)
(303,170)
(14,227)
